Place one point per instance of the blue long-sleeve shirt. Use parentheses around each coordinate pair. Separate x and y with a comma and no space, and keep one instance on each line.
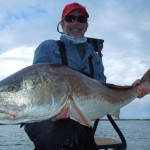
(48,52)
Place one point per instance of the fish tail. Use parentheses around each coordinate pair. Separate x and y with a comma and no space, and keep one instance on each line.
(145,80)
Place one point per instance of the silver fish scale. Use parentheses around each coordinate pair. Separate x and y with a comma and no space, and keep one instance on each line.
(40,91)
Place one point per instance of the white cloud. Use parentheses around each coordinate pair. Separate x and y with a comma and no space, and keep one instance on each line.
(138,109)
(15,59)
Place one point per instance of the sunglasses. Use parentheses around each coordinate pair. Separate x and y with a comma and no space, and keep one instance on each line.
(71,18)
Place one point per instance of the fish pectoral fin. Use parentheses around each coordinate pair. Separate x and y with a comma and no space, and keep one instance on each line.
(77,115)
(116,114)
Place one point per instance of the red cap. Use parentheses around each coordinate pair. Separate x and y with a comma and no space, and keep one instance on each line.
(73,6)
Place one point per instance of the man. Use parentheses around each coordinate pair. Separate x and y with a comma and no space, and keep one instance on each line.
(60,132)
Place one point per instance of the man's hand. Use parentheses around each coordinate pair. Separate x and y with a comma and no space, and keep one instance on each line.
(141,90)
(64,114)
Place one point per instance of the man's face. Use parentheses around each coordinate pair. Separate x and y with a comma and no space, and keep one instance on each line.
(75,28)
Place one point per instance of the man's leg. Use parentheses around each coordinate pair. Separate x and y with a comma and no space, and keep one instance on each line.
(62,135)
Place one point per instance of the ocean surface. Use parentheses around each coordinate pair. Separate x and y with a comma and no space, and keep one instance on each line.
(136,132)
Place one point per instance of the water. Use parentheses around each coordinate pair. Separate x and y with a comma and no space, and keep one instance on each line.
(136,132)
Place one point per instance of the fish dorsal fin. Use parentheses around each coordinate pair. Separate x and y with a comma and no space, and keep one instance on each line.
(119,87)
(76,114)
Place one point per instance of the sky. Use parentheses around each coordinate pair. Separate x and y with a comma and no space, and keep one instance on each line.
(123,24)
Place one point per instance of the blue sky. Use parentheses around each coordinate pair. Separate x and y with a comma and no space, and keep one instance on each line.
(124,25)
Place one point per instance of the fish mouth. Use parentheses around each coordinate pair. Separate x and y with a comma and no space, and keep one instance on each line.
(8,113)
(5,115)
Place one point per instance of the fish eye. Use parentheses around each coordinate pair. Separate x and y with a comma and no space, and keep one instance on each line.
(12,89)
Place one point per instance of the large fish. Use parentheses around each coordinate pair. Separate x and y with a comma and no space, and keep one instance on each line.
(40,91)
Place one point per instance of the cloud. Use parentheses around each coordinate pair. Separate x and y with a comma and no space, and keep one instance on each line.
(19,20)
(138,109)
(15,59)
